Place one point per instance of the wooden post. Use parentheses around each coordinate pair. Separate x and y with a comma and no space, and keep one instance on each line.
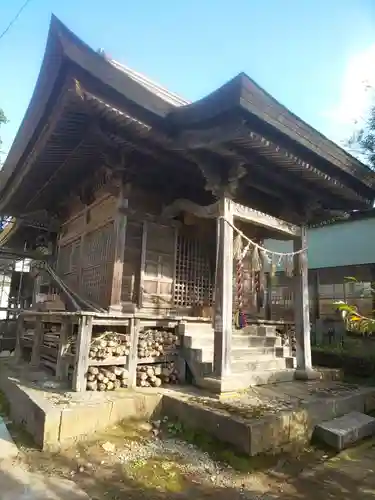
(19,331)
(143,265)
(118,258)
(82,353)
(301,310)
(315,320)
(224,290)
(268,304)
(133,355)
(61,364)
(37,342)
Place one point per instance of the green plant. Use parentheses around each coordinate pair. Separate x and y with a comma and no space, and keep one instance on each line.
(354,321)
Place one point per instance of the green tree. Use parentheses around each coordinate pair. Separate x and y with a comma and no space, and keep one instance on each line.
(362,142)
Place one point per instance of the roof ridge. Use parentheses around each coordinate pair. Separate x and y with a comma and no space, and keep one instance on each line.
(151,85)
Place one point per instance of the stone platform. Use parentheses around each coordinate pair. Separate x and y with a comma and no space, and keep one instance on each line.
(55,416)
(262,419)
(268,418)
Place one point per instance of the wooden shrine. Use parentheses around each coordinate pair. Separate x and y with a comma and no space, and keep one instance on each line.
(139,196)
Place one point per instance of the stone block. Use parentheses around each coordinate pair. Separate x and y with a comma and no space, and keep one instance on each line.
(8,449)
(300,426)
(320,411)
(342,432)
(269,433)
(123,408)
(83,420)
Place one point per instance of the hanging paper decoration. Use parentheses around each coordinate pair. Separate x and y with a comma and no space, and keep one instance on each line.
(258,256)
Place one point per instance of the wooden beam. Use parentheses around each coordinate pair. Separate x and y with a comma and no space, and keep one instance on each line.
(197,139)
(182,205)
(223,305)
(261,219)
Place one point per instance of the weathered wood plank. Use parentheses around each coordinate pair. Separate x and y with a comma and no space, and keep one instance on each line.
(37,343)
(183,205)
(133,356)
(143,265)
(19,330)
(120,239)
(62,365)
(82,354)
(223,290)
(261,219)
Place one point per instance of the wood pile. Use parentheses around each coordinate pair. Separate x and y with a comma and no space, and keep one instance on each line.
(108,345)
(154,343)
(156,375)
(107,378)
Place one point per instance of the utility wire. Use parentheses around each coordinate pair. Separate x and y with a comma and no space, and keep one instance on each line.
(14,19)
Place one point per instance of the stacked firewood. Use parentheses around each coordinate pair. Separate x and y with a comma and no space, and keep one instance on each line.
(106,378)
(154,343)
(108,345)
(157,375)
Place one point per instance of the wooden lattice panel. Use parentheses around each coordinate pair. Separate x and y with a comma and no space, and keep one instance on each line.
(97,264)
(159,266)
(193,283)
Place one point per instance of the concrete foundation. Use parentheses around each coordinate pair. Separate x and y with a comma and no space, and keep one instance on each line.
(55,417)
(262,419)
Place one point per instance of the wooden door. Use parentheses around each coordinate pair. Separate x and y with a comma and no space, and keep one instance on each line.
(158,266)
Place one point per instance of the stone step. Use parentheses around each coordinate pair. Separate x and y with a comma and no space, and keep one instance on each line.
(262,330)
(256,341)
(241,381)
(204,341)
(262,364)
(193,329)
(342,432)
(240,353)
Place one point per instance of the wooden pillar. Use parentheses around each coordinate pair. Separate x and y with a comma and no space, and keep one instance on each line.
(224,290)
(119,249)
(133,355)
(37,342)
(82,353)
(61,363)
(301,310)
(268,302)
(19,331)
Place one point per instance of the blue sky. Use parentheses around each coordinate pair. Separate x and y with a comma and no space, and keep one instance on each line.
(312,55)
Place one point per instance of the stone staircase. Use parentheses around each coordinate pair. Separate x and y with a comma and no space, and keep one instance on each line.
(257,355)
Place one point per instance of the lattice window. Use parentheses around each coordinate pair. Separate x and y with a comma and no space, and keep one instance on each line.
(194,281)
(98,264)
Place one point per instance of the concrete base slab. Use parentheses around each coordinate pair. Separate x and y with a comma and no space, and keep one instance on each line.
(8,449)
(55,417)
(18,484)
(266,419)
(342,432)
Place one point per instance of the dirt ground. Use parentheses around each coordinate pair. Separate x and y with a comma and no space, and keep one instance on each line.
(163,461)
